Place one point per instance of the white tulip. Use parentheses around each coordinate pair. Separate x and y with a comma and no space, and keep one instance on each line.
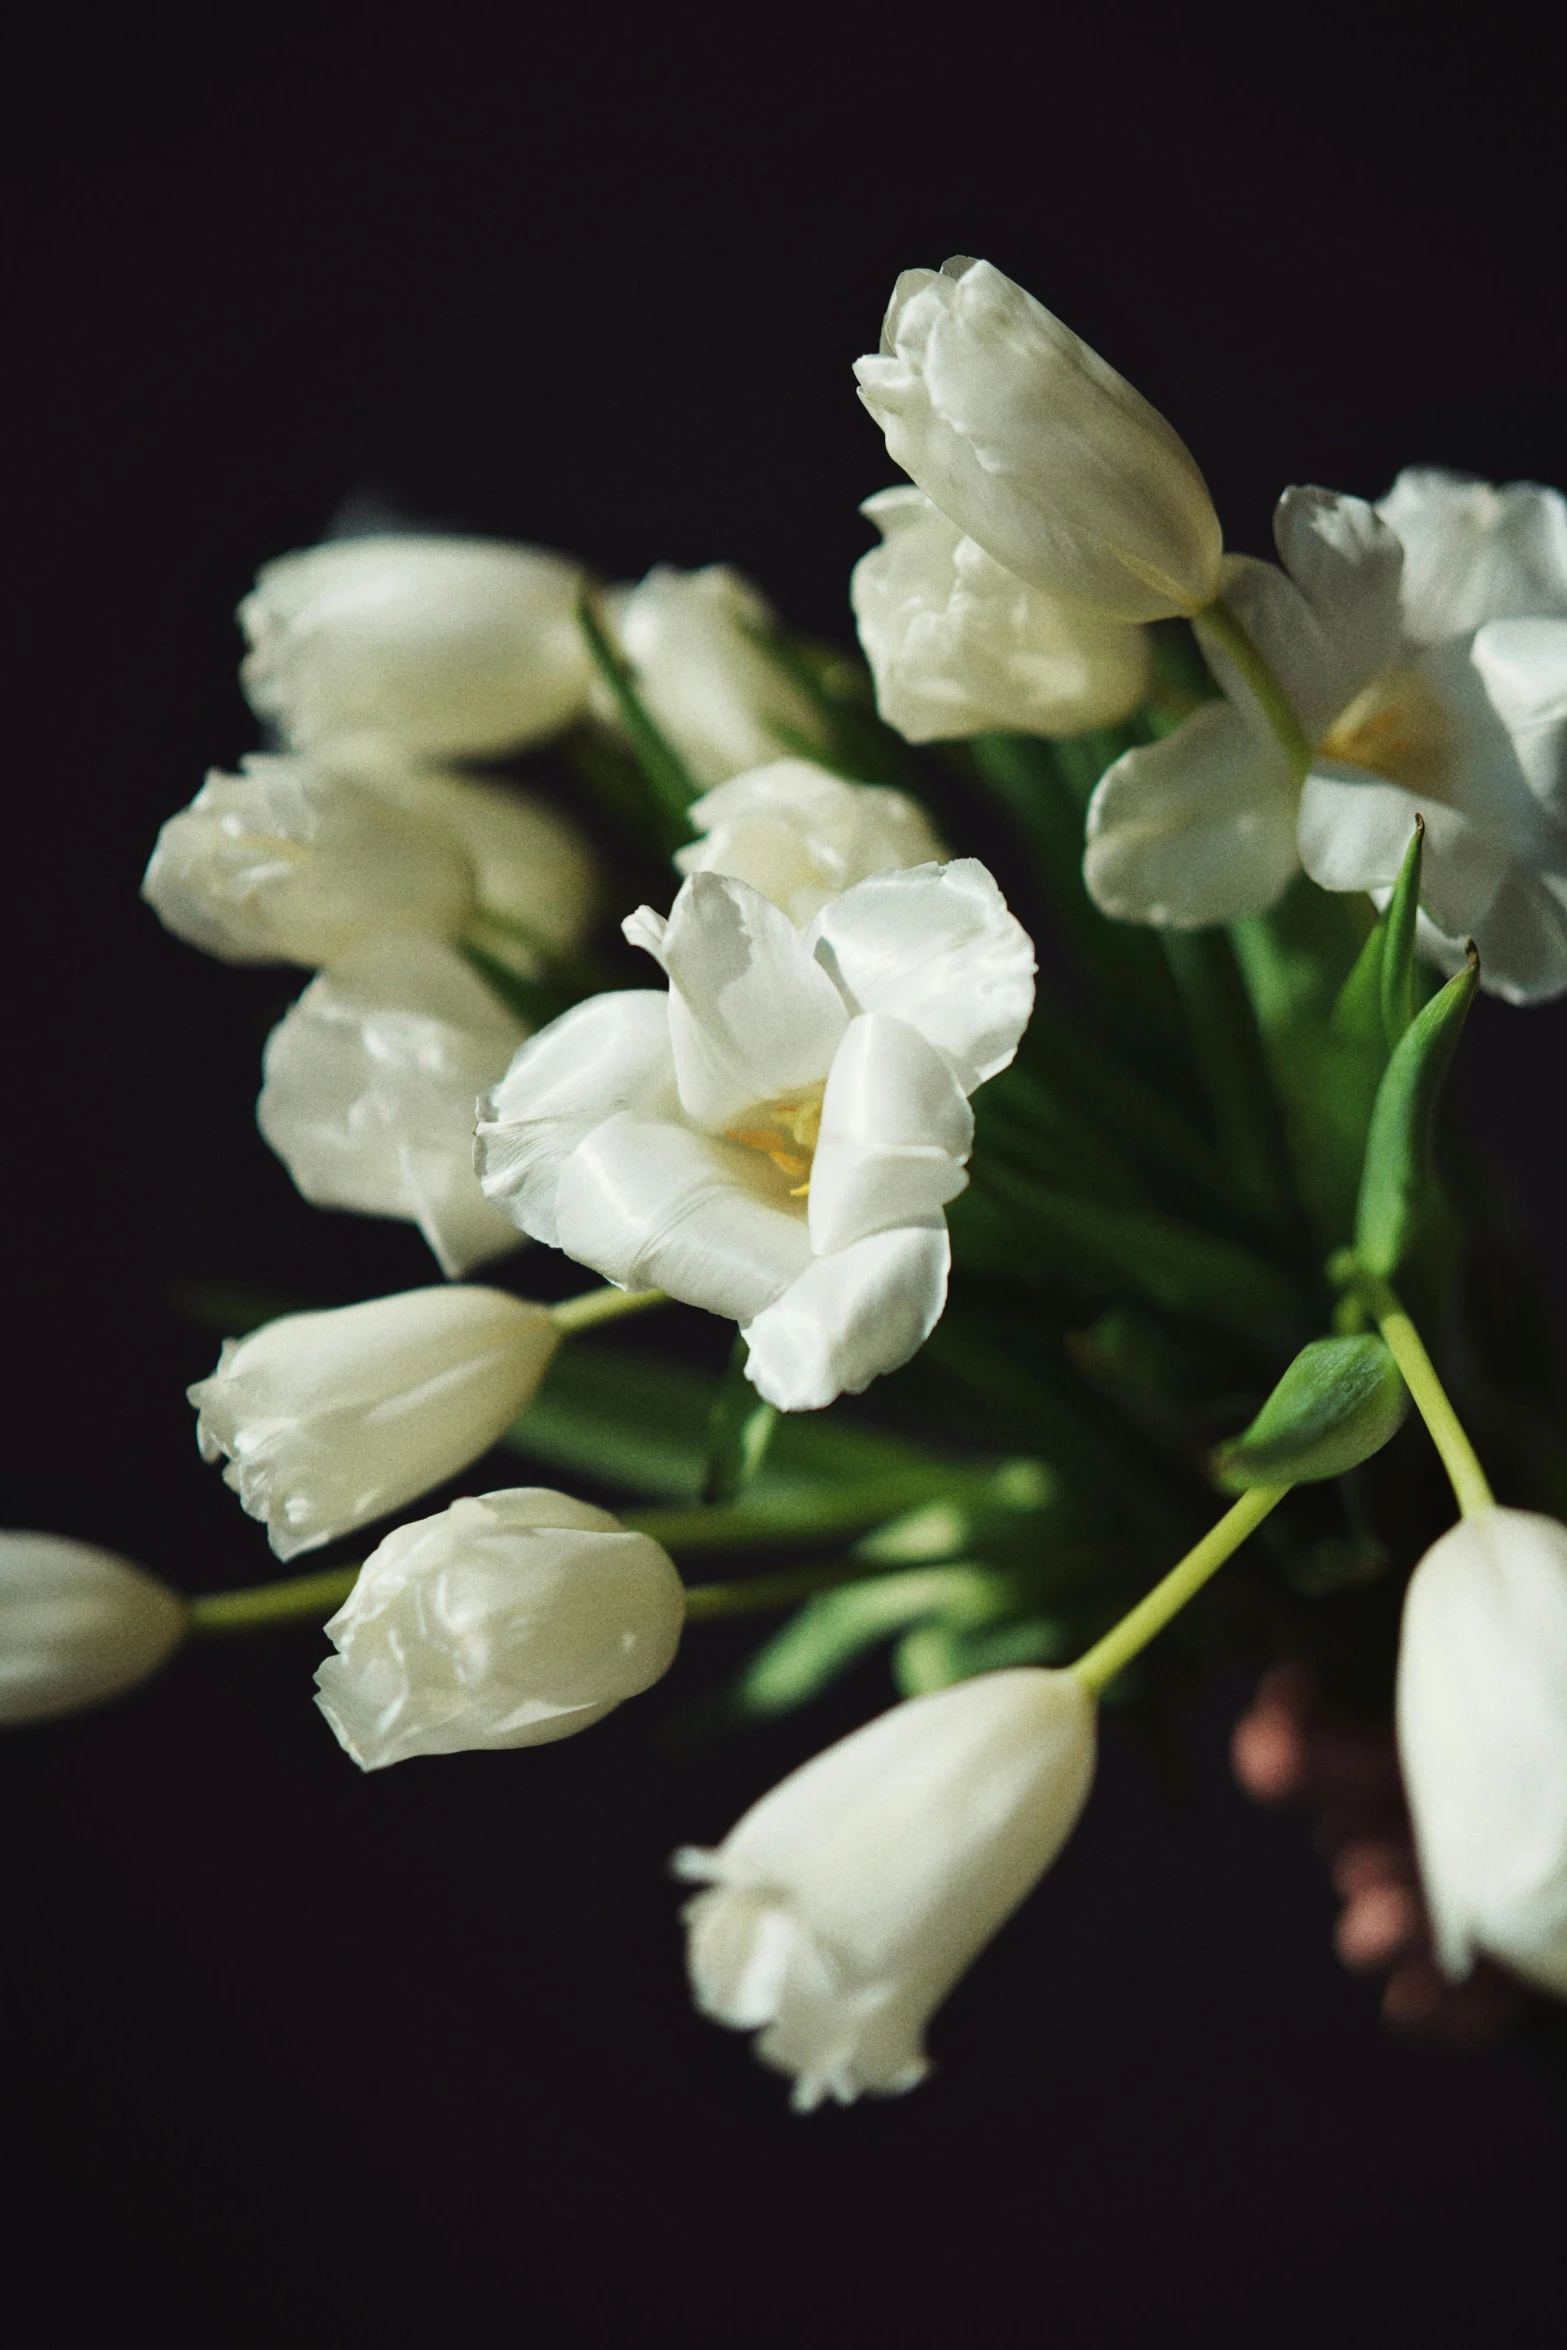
(776,1137)
(510,1620)
(958,645)
(331,1419)
(1036,450)
(290,862)
(1397,718)
(801,835)
(437,647)
(722,702)
(77,1624)
(847,1903)
(369,1087)
(1482,1734)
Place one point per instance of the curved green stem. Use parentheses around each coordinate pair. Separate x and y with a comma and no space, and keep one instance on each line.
(1271,698)
(1471,1488)
(1132,1634)
(602,1305)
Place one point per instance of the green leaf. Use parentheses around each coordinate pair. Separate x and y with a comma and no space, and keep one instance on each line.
(536,1001)
(1228,1049)
(1397,1186)
(1398,954)
(668,778)
(935,1655)
(833,1631)
(739,1429)
(1339,1402)
(233,1307)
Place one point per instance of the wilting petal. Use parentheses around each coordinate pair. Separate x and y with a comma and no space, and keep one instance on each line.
(849,1318)
(936,947)
(1199,828)
(1476,550)
(896,1131)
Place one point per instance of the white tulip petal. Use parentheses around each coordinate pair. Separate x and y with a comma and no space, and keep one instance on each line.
(1292,640)
(1476,551)
(1355,830)
(1349,566)
(1196,829)
(801,835)
(715,693)
(936,947)
(850,1318)
(1522,938)
(530,866)
(896,1132)
(1523,667)
(77,1624)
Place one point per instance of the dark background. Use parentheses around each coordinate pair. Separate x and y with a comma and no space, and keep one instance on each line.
(296,2057)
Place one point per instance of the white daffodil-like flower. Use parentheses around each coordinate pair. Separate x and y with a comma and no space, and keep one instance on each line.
(691,640)
(331,1419)
(801,835)
(289,862)
(77,1625)
(958,645)
(1036,450)
(776,1137)
(847,1903)
(1395,718)
(1482,1734)
(369,1087)
(510,1620)
(434,647)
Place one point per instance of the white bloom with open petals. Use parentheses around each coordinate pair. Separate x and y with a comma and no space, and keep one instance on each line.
(958,645)
(509,1620)
(435,647)
(775,1138)
(1395,720)
(1037,450)
(802,835)
(77,1624)
(331,1419)
(1482,1734)
(846,1904)
(293,862)
(369,1087)
(691,640)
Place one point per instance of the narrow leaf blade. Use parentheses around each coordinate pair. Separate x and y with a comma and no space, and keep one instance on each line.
(1397,1179)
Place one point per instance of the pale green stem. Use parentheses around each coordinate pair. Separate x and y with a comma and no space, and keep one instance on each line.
(1471,1489)
(302,1599)
(602,1305)
(1132,1634)
(1270,695)
(758,1595)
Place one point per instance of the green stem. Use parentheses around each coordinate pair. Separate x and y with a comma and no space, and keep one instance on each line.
(302,1599)
(602,1305)
(1271,698)
(1132,1634)
(757,1595)
(1471,1488)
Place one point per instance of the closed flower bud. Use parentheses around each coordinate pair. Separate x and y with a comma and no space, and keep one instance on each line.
(1037,450)
(439,647)
(958,645)
(511,1620)
(77,1625)
(289,862)
(331,1419)
(691,640)
(369,1089)
(845,1905)
(1482,1735)
(801,835)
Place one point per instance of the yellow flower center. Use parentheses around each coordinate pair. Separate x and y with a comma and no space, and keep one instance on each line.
(1397,727)
(785,1131)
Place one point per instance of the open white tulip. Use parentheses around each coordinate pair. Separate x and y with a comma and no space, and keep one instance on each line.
(847,1903)
(291,862)
(436,647)
(1397,717)
(1482,1735)
(369,1087)
(510,1620)
(801,835)
(958,645)
(331,1419)
(77,1625)
(1036,450)
(776,1137)
(690,638)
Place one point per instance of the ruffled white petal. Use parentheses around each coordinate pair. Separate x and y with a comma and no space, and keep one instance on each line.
(850,1318)
(1196,829)
(895,1135)
(801,835)
(1476,551)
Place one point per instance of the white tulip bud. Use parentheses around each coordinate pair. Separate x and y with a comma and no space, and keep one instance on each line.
(290,863)
(846,1904)
(801,835)
(511,1620)
(77,1625)
(1482,1735)
(332,1419)
(690,637)
(439,647)
(958,645)
(1037,450)
(369,1091)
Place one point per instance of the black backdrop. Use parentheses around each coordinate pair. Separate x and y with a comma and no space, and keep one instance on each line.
(295,2057)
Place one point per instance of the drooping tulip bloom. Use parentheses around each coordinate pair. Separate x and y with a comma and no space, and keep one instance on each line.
(845,1905)
(801,835)
(77,1625)
(510,1620)
(1035,449)
(329,1420)
(776,1137)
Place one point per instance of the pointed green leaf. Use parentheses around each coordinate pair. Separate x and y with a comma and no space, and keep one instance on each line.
(1338,1403)
(1397,1181)
(833,1631)
(739,1429)
(668,778)
(1398,954)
